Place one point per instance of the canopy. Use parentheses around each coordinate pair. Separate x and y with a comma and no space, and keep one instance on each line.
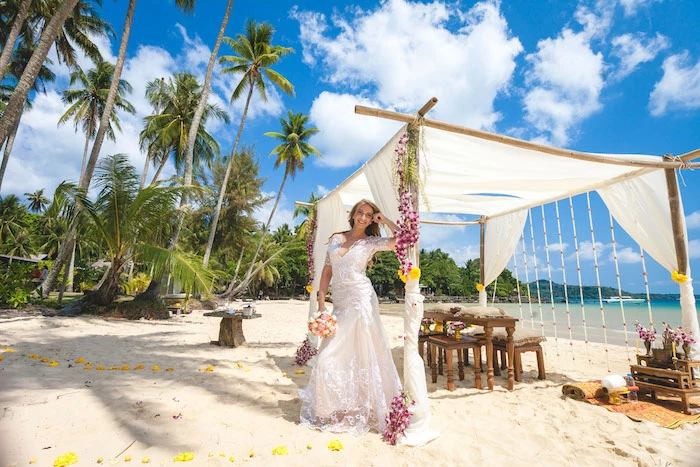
(497,179)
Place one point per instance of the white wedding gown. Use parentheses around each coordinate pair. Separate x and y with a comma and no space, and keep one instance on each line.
(354,379)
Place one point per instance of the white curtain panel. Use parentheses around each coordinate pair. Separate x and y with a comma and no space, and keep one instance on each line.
(500,239)
(379,172)
(641,207)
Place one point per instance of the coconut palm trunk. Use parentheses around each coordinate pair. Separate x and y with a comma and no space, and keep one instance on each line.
(224,183)
(13,111)
(84,183)
(7,151)
(9,45)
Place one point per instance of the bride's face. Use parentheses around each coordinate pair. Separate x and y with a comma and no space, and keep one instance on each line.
(363,217)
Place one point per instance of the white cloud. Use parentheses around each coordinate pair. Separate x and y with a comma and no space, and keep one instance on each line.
(626,255)
(322,190)
(402,53)
(633,50)
(631,7)
(679,87)
(585,250)
(692,220)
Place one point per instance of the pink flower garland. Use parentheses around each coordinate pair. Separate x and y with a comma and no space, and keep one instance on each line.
(304,353)
(408,233)
(398,419)
(310,250)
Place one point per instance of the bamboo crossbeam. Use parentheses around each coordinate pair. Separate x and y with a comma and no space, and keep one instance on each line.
(406,118)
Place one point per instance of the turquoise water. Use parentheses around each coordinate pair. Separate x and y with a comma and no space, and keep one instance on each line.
(668,311)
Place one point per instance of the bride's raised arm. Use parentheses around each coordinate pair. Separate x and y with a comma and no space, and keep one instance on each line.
(389,226)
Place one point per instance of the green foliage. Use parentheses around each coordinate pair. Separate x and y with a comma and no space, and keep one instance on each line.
(16,285)
(137,284)
(384,274)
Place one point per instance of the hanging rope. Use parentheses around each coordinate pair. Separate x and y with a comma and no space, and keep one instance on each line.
(619,285)
(566,286)
(527,281)
(537,277)
(549,275)
(580,282)
(493,295)
(597,278)
(646,284)
(517,286)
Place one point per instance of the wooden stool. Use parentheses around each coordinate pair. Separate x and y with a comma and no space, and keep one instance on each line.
(448,344)
(500,346)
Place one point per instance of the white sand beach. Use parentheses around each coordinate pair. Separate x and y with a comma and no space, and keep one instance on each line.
(249,403)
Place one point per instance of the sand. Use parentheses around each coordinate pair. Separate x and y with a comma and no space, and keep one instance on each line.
(249,402)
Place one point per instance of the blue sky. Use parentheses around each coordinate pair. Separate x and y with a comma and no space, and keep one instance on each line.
(619,76)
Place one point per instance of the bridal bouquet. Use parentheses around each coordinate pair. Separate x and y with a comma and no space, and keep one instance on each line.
(323,325)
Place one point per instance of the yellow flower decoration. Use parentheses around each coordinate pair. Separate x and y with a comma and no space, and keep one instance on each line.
(53,363)
(479,287)
(80,360)
(127,459)
(280,451)
(138,367)
(100,368)
(415,273)
(678,277)
(184,457)
(402,276)
(309,289)
(145,460)
(209,368)
(8,350)
(66,459)
(335,445)
(156,368)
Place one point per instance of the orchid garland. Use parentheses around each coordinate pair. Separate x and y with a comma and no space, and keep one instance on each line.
(310,236)
(398,418)
(408,232)
(304,353)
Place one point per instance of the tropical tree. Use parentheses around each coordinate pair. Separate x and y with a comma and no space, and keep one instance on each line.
(16,13)
(87,102)
(13,219)
(291,153)
(37,200)
(254,57)
(129,222)
(305,210)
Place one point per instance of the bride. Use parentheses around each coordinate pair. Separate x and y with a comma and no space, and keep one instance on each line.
(354,379)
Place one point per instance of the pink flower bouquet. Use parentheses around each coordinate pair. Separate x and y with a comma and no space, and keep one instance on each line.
(324,325)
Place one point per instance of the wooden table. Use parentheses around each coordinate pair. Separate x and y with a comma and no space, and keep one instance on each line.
(230,328)
(674,378)
(488,324)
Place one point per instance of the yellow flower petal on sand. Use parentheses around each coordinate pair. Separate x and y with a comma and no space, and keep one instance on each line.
(222,454)
(127,459)
(284,374)
(335,445)
(145,460)
(156,368)
(68,458)
(247,370)
(139,367)
(184,457)
(99,460)
(210,368)
(9,350)
(80,360)
(251,453)
(53,363)
(100,368)
(239,365)
(32,460)
(280,451)
(126,368)
(113,368)
(170,369)
(88,365)
(44,359)
(308,446)
(33,356)
(231,459)
(299,372)
(2,358)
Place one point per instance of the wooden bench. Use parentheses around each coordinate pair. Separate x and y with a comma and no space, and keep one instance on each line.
(230,328)
(674,379)
(448,344)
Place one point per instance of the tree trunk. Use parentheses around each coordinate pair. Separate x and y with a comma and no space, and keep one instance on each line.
(160,168)
(85,153)
(97,145)
(246,280)
(224,184)
(101,295)
(142,182)
(9,46)
(244,285)
(229,289)
(19,95)
(71,270)
(7,151)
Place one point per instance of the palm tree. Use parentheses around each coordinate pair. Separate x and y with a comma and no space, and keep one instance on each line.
(13,216)
(166,133)
(20,58)
(129,220)
(21,11)
(84,184)
(37,200)
(254,57)
(88,102)
(290,153)
(80,27)
(302,210)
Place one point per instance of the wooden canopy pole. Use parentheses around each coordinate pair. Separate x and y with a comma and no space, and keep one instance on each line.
(406,118)
(674,200)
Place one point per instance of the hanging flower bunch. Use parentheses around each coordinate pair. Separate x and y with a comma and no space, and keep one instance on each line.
(398,418)
(305,353)
(647,335)
(408,232)
(310,235)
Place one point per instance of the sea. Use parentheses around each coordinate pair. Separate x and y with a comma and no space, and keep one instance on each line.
(610,323)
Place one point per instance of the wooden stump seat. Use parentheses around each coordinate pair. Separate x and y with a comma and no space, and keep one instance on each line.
(447,344)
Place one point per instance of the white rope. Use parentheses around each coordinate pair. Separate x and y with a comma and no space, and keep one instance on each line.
(597,278)
(493,296)
(580,282)
(566,286)
(527,281)
(537,277)
(549,275)
(517,284)
(619,285)
(646,284)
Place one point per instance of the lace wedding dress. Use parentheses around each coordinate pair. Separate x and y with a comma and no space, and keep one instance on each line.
(354,379)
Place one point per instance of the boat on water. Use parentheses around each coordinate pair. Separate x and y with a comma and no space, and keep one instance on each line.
(624,299)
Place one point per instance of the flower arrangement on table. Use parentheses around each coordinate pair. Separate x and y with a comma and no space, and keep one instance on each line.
(323,325)
(406,172)
(454,328)
(681,338)
(398,418)
(426,323)
(646,335)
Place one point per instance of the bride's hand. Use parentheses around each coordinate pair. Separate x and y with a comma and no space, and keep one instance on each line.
(379,218)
